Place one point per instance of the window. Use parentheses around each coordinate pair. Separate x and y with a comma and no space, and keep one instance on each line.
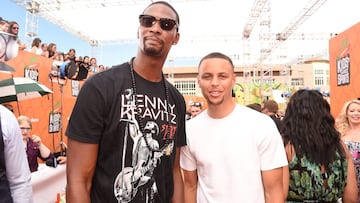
(319,72)
(297,82)
(319,80)
(186,87)
(321,77)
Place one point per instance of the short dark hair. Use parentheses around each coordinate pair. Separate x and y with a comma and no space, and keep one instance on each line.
(217,55)
(271,106)
(171,7)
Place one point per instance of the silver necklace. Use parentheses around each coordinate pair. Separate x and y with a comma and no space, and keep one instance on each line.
(166,148)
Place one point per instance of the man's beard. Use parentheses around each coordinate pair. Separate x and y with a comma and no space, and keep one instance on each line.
(152,51)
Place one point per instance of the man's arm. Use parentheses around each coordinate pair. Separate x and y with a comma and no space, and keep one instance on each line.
(273,185)
(190,185)
(178,196)
(81,163)
(17,167)
(286,180)
(190,176)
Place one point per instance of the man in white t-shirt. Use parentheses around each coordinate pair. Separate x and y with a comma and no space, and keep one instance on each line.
(233,154)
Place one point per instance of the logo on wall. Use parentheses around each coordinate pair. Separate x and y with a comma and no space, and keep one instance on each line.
(75,86)
(343,67)
(54,122)
(343,70)
(32,72)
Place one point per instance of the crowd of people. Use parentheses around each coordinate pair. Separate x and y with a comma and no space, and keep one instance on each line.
(133,143)
(49,50)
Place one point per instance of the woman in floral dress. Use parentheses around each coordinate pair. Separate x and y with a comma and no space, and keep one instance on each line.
(320,166)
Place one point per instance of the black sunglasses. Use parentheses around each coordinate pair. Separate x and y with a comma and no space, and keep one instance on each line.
(165,23)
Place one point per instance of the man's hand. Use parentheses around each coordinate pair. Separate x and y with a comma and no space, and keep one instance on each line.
(61,159)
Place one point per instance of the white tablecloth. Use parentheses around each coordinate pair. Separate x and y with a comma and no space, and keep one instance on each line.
(47,182)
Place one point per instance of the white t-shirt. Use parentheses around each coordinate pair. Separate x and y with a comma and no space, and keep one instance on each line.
(230,153)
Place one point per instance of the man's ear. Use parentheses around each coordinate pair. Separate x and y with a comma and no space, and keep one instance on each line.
(176,40)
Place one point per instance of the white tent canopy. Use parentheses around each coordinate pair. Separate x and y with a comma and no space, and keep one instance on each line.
(205,25)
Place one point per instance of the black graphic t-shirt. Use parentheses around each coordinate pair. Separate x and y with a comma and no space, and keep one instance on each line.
(136,157)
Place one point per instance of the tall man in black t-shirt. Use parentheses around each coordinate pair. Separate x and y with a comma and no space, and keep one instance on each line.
(116,112)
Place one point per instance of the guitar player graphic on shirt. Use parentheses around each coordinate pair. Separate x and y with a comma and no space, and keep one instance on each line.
(145,160)
(145,152)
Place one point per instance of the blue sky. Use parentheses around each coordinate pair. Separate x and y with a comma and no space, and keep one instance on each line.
(48,32)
